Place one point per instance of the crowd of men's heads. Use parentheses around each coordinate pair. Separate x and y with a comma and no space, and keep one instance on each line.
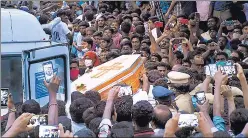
(175,55)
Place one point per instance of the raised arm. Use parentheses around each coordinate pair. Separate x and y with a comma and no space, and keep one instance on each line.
(243,83)
(218,77)
(154,45)
(12,110)
(52,88)
(172,5)
(222,25)
(171,54)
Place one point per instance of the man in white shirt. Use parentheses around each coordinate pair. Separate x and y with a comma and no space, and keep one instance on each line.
(82,32)
(60,31)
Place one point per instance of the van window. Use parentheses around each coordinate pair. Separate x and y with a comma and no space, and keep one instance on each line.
(43,70)
(11,75)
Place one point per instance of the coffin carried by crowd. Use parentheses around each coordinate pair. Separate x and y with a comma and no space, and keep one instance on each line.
(126,69)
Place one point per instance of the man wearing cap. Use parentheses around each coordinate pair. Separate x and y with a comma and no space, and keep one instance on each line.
(180,83)
(165,96)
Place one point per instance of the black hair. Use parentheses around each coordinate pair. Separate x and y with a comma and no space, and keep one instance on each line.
(238,120)
(150,66)
(213,28)
(18,107)
(88,40)
(125,27)
(146,49)
(245,24)
(179,55)
(215,18)
(108,28)
(92,29)
(94,124)
(146,16)
(78,107)
(181,88)
(142,113)
(153,75)
(106,38)
(94,96)
(89,15)
(245,46)
(161,82)
(147,41)
(167,66)
(122,129)
(97,33)
(135,36)
(31,106)
(137,10)
(241,55)
(161,119)
(153,18)
(84,23)
(61,13)
(123,107)
(74,61)
(112,55)
(222,53)
(184,132)
(43,19)
(239,102)
(88,115)
(104,17)
(85,133)
(76,95)
(182,16)
(158,56)
(126,43)
(140,29)
(127,16)
(66,122)
(234,43)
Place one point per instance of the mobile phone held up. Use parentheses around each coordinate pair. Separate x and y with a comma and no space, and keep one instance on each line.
(184,21)
(200,97)
(38,120)
(48,71)
(49,131)
(187,120)
(226,67)
(158,24)
(126,90)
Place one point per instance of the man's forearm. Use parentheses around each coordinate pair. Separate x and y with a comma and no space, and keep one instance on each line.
(217,104)
(11,120)
(244,87)
(208,118)
(231,105)
(108,109)
(52,109)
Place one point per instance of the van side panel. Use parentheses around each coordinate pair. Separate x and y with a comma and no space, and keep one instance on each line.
(6,24)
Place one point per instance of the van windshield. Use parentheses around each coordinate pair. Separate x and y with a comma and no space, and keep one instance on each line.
(11,75)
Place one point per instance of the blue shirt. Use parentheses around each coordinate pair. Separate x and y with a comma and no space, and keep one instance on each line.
(221,5)
(219,123)
(165,5)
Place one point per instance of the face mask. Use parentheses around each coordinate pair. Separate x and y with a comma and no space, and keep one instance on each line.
(74,74)
(85,50)
(88,62)
(236,35)
(80,12)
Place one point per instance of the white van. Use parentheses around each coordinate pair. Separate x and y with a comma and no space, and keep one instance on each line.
(23,42)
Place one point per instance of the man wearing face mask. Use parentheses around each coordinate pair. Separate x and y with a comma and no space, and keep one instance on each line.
(74,70)
(91,60)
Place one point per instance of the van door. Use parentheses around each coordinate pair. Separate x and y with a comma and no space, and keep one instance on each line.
(38,65)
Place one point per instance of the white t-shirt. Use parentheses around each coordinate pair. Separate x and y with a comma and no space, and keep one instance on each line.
(79,39)
(59,33)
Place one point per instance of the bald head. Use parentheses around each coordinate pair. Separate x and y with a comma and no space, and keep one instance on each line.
(161,115)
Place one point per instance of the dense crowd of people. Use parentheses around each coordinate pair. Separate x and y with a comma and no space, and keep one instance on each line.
(176,40)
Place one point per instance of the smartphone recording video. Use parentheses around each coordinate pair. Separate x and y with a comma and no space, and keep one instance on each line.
(38,120)
(48,71)
(187,120)
(200,97)
(158,24)
(49,131)
(126,90)
(226,67)
(184,21)
(4,96)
